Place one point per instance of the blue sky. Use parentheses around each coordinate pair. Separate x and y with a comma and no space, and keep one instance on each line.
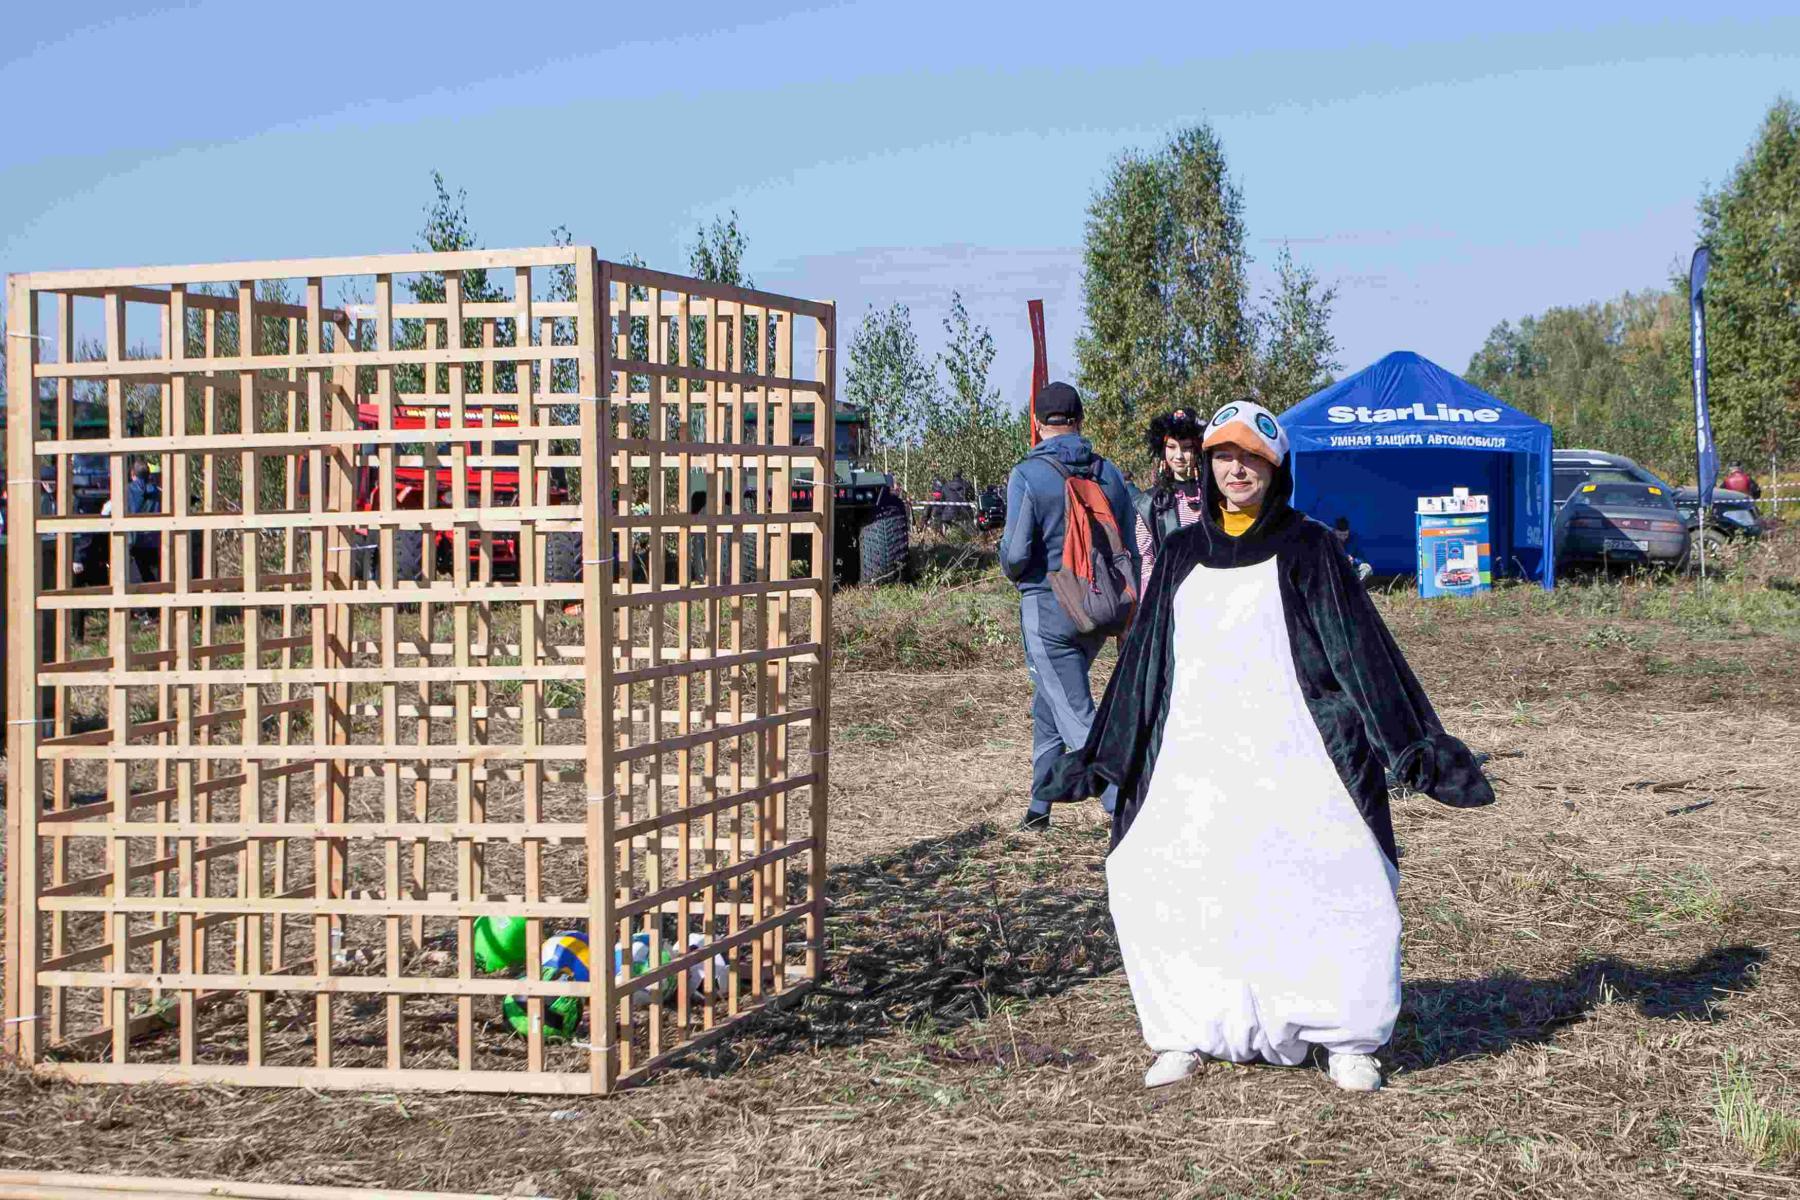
(1444,168)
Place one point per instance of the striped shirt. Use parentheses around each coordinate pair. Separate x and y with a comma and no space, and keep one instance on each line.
(1187,509)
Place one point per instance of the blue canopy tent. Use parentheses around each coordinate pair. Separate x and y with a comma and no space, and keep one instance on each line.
(1367,447)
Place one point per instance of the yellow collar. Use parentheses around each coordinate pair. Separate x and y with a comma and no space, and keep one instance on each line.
(1236,524)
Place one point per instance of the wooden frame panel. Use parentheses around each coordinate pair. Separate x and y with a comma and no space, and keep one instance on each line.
(417,617)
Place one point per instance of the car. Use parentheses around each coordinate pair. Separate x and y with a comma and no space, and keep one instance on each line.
(91,477)
(1734,514)
(1617,522)
(1455,577)
(991,514)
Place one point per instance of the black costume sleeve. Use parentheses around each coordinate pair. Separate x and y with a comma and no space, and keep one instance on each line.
(1122,742)
(1367,664)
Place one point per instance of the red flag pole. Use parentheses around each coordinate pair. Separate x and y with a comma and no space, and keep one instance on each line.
(1040,365)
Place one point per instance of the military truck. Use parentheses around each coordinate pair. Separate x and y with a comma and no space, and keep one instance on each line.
(871,529)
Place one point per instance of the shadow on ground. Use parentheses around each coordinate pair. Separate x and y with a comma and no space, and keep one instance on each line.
(1445,1020)
(939,933)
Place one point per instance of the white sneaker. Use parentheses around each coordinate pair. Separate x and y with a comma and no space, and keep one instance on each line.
(1355,1072)
(1171,1066)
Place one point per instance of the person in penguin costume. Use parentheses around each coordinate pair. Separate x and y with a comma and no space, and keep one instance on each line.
(1256,703)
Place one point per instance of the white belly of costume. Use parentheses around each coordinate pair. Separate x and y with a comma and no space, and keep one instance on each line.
(1256,912)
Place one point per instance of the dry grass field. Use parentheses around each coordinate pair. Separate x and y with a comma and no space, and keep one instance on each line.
(1601,987)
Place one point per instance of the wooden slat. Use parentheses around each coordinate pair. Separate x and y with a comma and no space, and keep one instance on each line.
(51,1184)
(299,268)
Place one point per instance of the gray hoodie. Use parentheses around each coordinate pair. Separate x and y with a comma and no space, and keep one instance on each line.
(1034,508)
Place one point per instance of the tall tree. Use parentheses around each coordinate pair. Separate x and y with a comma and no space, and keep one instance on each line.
(717,254)
(1169,319)
(889,378)
(447,230)
(1752,223)
(1297,353)
(969,429)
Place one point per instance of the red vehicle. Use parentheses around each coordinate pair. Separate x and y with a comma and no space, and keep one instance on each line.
(562,555)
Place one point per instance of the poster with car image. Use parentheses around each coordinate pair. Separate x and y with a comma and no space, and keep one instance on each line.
(1454,548)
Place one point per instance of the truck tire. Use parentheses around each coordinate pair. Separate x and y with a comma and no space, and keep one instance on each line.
(562,557)
(409,554)
(883,542)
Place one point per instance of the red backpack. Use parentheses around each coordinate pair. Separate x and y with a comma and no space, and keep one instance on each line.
(1095,583)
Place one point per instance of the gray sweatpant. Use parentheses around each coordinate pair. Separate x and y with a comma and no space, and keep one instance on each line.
(1062,703)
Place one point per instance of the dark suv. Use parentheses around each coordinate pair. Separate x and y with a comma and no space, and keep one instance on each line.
(1733,513)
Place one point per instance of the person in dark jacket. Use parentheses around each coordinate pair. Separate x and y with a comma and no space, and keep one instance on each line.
(1057,656)
(143,496)
(91,566)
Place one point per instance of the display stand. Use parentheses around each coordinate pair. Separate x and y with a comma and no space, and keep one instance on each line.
(1455,552)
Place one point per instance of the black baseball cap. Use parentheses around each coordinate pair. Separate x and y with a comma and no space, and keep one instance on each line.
(1057,404)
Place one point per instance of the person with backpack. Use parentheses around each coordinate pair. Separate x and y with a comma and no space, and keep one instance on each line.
(1174,499)
(1067,549)
(1248,731)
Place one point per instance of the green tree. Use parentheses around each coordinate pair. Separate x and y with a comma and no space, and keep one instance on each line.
(1752,223)
(447,229)
(717,254)
(968,428)
(1169,317)
(1297,351)
(889,378)
(1608,376)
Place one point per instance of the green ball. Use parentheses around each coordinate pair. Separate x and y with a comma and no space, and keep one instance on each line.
(562,1016)
(499,943)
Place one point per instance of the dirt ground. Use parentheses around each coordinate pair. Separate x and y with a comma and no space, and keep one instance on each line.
(1600,987)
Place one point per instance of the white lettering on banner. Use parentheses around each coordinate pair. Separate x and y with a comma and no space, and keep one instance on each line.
(1471,441)
(1344,414)
(1465,439)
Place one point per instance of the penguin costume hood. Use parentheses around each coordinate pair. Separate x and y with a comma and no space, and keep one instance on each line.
(1368,708)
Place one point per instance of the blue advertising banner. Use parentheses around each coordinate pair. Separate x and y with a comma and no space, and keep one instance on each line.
(1705,452)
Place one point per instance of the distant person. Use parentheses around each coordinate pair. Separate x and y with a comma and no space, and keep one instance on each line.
(1341,530)
(1057,655)
(1174,498)
(959,495)
(1739,480)
(144,497)
(91,566)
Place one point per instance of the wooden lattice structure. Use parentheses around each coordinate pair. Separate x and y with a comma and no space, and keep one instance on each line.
(468,585)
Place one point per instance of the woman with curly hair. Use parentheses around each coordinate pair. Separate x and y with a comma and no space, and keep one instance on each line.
(1174,498)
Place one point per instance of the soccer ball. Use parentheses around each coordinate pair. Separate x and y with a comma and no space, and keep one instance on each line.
(564,956)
